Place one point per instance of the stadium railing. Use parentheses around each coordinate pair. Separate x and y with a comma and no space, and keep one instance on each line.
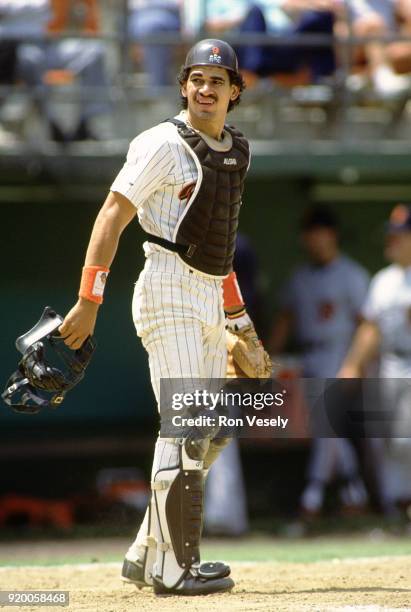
(329,111)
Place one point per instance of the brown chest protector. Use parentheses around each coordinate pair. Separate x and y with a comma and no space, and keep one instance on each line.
(205,234)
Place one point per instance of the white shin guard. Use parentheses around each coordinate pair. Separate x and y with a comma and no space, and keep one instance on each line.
(178,495)
(167,543)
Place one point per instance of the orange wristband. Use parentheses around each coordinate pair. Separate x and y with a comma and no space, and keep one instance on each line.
(231,292)
(93,281)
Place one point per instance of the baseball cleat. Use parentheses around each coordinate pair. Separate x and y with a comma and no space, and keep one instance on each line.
(133,573)
(194,584)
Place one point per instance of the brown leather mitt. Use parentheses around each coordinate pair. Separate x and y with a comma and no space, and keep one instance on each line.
(246,354)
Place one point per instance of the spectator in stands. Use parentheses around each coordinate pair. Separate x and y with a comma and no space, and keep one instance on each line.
(290,18)
(399,52)
(154,17)
(46,60)
(8,63)
(378,18)
(320,306)
(18,20)
(293,19)
(23,18)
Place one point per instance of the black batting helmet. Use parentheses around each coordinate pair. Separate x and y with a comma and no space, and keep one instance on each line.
(212,52)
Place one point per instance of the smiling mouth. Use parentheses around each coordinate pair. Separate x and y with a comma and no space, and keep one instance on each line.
(205,101)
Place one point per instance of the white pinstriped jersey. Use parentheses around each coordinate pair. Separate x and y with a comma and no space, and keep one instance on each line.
(325,302)
(388,304)
(157,168)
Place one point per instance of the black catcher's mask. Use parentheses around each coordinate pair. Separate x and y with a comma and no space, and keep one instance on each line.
(48,368)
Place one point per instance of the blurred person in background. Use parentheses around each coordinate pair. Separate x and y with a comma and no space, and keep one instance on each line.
(154,17)
(379,18)
(225,480)
(386,330)
(19,19)
(290,18)
(44,60)
(320,306)
(248,270)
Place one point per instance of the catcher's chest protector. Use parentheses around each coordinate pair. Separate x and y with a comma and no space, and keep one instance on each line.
(210,219)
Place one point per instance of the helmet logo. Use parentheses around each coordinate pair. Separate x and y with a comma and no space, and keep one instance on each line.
(215,57)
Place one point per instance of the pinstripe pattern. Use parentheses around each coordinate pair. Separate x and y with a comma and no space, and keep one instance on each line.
(178,312)
(179,315)
(156,170)
(157,167)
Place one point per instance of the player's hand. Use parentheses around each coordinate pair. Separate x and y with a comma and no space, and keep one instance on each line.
(79,323)
(349,371)
(246,354)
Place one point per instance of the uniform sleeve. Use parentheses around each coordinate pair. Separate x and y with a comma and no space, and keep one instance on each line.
(370,309)
(147,168)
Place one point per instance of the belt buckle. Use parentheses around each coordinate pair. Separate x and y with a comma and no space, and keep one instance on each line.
(191,250)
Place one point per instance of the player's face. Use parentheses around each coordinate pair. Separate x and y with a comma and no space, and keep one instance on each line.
(321,244)
(208,91)
(398,248)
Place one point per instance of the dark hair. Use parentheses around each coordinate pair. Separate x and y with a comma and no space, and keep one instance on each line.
(319,216)
(235,79)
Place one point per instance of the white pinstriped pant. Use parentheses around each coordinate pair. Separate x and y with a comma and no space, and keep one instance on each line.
(179,315)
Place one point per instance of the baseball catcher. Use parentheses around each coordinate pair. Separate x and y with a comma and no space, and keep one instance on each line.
(184,180)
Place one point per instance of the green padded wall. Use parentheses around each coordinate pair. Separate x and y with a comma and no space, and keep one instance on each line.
(43,250)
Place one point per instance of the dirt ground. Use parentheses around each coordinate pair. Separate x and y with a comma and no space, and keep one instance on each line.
(367,585)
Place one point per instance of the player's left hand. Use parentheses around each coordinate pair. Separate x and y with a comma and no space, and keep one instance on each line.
(246,354)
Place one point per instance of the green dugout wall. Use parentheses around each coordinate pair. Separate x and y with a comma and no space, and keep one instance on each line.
(45,230)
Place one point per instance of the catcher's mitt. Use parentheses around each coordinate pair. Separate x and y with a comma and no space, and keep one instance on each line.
(246,355)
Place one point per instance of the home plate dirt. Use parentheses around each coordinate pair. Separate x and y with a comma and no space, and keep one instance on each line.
(365,585)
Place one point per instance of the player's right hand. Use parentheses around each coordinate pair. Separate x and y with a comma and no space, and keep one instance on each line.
(79,323)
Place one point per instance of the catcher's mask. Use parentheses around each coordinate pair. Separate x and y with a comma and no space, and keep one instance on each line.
(48,368)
